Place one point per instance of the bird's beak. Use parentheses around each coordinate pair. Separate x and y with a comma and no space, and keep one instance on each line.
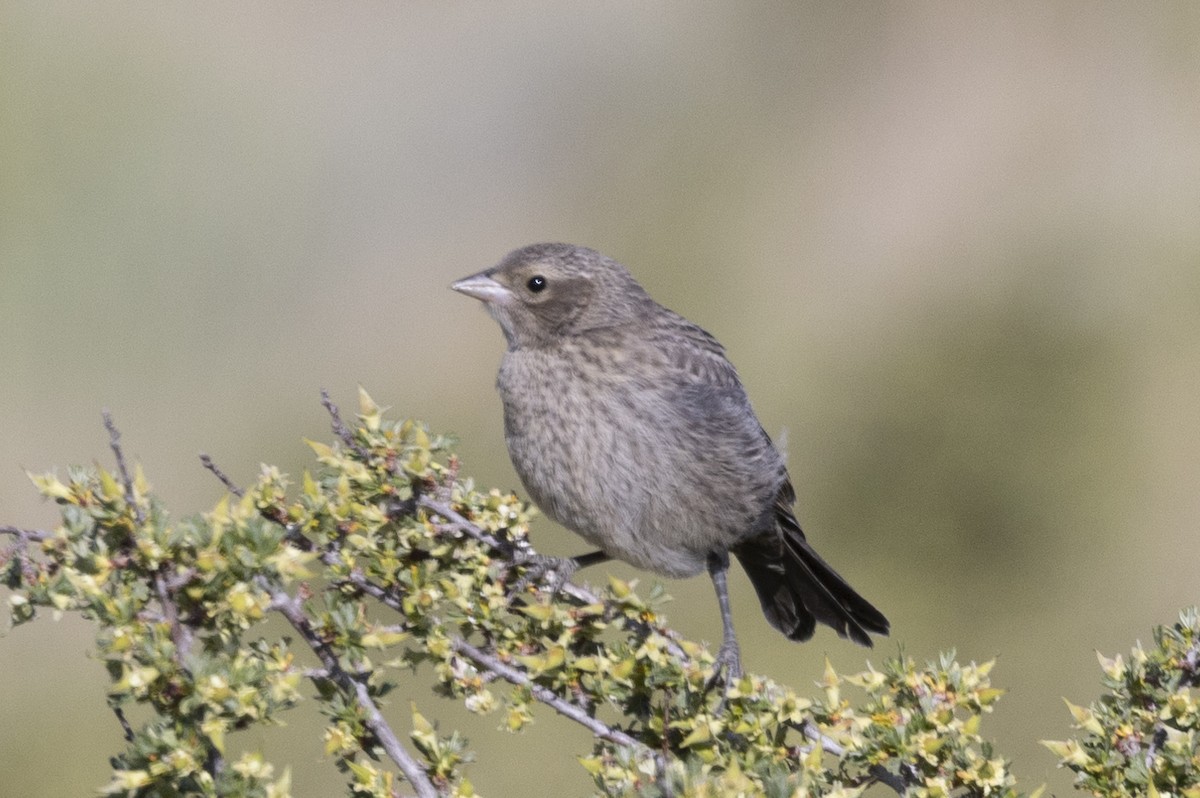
(482,287)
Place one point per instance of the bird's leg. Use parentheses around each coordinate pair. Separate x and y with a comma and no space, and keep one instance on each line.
(729,658)
(554,571)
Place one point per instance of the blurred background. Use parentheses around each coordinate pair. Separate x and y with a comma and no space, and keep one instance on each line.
(954,250)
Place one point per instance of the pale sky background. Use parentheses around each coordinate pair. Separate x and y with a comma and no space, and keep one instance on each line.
(953,250)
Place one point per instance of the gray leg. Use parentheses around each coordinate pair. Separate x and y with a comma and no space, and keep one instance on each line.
(729,658)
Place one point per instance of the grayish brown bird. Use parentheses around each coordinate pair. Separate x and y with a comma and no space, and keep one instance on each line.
(628,425)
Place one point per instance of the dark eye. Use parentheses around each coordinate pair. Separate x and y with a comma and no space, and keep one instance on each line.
(537,283)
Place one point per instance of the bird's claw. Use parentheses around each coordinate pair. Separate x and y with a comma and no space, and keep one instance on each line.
(552,572)
(727,670)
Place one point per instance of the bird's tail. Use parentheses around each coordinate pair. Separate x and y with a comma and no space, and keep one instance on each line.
(797,588)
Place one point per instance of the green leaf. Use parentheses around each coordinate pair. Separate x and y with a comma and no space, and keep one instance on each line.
(368,411)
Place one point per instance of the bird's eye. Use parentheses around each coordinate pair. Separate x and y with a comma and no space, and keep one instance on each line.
(537,283)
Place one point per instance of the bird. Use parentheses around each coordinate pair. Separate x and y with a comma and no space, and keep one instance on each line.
(628,425)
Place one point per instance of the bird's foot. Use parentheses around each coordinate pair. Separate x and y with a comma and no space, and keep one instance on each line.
(727,669)
(551,572)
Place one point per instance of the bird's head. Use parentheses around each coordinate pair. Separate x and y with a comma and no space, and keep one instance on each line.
(544,292)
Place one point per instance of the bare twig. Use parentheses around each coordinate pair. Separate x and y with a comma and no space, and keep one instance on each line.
(360,582)
(126,729)
(180,634)
(339,427)
(114,440)
(292,610)
(455,522)
(229,484)
(36,535)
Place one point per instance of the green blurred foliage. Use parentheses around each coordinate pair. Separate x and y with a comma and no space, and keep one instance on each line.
(952,249)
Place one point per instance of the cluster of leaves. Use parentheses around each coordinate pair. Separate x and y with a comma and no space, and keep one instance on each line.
(916,729)
(1142,737)
(174,605)
(386,564)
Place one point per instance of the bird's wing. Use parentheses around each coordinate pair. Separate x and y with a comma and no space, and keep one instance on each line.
(704,388)
(692,354)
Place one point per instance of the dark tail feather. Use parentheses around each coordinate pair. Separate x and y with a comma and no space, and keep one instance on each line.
(797,588)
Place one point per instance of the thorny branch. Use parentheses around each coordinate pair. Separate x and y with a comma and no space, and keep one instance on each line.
(292,609)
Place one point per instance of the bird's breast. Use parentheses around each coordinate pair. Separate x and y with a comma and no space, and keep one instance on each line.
(574,439)
(602,451)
